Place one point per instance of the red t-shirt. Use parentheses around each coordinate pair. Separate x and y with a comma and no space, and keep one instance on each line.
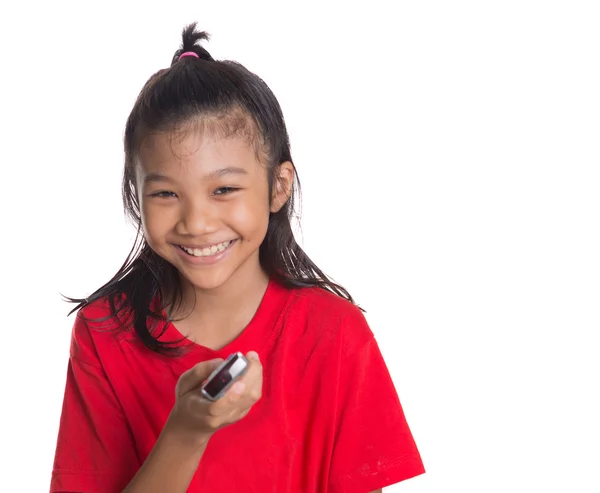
(329,420)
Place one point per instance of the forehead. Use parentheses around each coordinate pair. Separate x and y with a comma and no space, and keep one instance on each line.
(196,156)
(202,145)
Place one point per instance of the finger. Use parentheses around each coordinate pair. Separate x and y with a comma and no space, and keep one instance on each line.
(248,400)
(248,389)
(236,404)
(248,380)
(196,375)
(255,393)
(252,393)
(254,379)
(237,395)
(255,369)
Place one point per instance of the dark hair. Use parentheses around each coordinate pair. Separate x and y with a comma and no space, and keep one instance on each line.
(235,101)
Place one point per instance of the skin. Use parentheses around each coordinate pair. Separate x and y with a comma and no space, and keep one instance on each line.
(190,195)
(190,426)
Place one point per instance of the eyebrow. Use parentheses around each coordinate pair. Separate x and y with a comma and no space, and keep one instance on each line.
(220,173)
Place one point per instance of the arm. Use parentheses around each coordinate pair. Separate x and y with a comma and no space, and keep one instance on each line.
(169,467)
(96,450)
(174,459)
(171,464)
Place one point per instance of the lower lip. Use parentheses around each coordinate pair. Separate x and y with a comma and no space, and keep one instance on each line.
(212,259)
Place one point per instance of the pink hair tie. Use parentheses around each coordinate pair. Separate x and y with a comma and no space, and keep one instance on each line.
(188,53)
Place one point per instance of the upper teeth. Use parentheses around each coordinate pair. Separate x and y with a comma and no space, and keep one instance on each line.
(205,252)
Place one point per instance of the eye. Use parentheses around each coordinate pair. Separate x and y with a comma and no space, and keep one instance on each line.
(163,194)
(224,190)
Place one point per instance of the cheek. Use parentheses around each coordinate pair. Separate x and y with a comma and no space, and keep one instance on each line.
(251,217)
(156,221)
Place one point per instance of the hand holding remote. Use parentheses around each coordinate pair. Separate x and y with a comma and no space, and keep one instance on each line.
(199,418)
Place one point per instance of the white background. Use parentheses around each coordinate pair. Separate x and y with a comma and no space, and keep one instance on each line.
(449,155)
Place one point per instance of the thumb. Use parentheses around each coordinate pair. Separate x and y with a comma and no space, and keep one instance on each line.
(196,375)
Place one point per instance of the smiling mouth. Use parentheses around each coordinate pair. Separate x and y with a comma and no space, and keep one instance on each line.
(207,251)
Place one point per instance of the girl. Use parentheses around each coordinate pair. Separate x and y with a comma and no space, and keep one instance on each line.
(210,181)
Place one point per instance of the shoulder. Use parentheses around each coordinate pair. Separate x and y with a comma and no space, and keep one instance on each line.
(100,308)
(319,299)
(325,313)
(93,324)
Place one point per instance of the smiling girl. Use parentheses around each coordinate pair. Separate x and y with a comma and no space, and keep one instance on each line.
(210,180)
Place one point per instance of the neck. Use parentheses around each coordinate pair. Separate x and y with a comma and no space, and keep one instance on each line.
(218,315)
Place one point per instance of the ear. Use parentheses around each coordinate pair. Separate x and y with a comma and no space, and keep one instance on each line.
(282,186)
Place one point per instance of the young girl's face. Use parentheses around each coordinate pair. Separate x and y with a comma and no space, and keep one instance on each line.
(204,204)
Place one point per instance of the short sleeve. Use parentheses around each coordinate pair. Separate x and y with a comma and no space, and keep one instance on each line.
(374,446)
(95,452)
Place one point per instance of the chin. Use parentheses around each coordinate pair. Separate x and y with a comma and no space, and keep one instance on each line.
(207,281)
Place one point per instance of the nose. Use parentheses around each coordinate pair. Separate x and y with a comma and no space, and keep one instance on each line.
(197,218)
